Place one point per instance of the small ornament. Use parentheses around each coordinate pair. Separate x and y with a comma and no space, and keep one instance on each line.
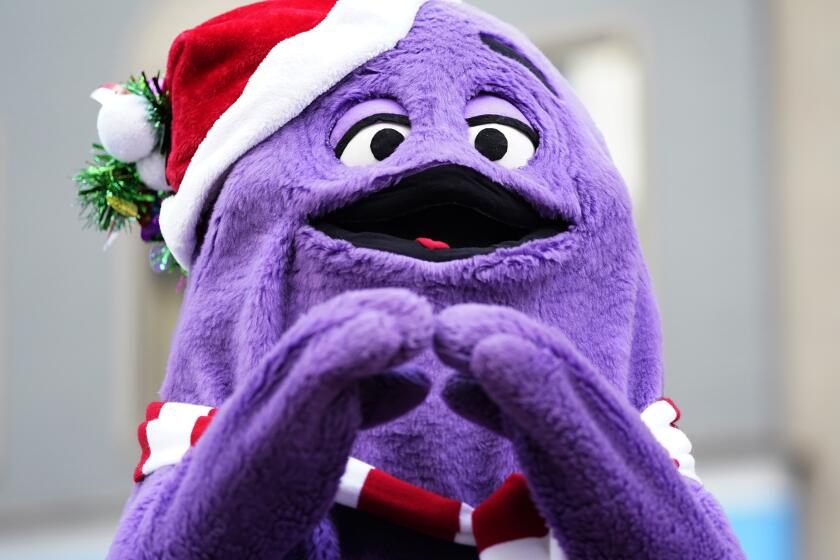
(152,171)
(124,128)
(161,259)
(123,207)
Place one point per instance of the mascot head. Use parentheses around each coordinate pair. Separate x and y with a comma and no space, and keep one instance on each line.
(325,146)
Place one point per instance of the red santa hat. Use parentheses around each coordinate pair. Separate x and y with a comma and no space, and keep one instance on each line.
(237,79)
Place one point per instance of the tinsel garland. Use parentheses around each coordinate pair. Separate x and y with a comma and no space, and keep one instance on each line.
(111,194)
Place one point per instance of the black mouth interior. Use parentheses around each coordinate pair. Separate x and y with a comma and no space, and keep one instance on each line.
(441,214)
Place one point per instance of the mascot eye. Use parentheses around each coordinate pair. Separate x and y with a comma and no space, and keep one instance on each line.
(372,139)
(509,142)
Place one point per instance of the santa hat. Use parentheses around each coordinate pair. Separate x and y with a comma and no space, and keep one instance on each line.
(238,78)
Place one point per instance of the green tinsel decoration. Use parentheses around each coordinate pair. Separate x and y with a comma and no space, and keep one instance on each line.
(160,108)
(111,193)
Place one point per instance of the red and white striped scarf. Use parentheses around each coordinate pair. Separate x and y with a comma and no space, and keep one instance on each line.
(506,526)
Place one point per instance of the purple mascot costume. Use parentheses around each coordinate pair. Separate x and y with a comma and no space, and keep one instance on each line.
(418,323)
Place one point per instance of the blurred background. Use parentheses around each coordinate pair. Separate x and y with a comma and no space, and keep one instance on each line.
(724,117)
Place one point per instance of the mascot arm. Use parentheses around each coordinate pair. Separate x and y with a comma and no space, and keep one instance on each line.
(265,473)
(604,484)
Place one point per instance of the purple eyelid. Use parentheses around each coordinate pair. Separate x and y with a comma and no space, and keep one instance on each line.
(486,104)
(361,111)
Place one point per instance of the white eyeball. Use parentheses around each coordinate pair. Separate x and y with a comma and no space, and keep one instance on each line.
(510,145)
(124,128)
(372,143)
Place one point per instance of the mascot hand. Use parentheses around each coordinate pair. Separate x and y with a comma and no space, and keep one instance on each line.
(266,471)
(591,463)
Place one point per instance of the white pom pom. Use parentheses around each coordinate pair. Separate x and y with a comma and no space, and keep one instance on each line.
(152,171)
(124,128)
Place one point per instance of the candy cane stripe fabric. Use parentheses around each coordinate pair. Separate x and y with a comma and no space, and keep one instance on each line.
(406,505)
(661,419)
(168,433)
(506,526)
(495,526)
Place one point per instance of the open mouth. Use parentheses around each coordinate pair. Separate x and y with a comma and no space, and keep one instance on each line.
(442,214)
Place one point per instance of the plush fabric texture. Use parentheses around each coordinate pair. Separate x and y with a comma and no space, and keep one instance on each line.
(554,345)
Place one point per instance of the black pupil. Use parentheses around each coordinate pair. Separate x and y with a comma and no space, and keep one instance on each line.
(491,143)
(385,142)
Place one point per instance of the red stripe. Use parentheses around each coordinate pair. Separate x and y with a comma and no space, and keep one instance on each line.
(152,413)
(508,515)
(676,409)
(144,451)
(409,506)
(200,425)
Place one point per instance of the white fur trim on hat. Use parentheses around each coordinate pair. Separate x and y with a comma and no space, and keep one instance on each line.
(290,78)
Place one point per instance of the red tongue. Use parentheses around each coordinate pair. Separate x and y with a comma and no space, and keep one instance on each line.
(431,243)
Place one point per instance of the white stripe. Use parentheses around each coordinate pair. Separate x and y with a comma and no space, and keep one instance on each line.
(465,526)
(174,412)
(532,548)
(289,79)
(686,467)
(350,487)
(672,439)
(169,435)
(658,417)
(660,413)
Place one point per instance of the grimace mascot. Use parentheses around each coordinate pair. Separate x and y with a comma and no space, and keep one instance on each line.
(417,322)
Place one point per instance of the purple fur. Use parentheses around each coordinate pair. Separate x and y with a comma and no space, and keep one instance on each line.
(557,350)
(362,110)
